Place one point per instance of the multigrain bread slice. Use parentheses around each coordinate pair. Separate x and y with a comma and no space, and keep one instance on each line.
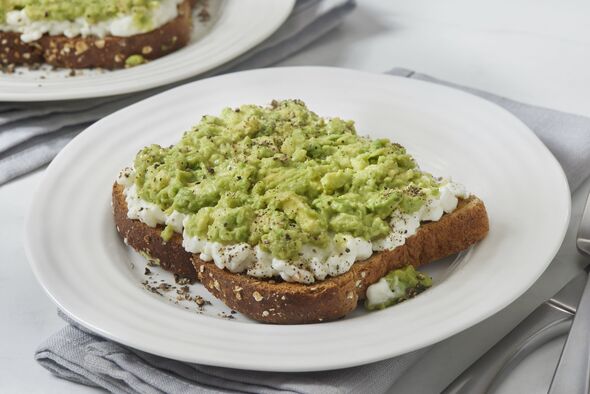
(279,302)
(110,52)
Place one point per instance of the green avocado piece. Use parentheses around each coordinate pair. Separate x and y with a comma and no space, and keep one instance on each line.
(405,283)
(134,60)
(167,233)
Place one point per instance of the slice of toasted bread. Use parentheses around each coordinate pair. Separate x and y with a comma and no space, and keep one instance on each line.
(109,52)
(281,302)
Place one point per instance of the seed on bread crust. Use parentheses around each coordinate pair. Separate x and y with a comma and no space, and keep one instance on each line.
(81,47)
(257,296)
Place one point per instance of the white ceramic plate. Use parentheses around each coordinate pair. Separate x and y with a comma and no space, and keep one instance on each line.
(84,266)
(235,27)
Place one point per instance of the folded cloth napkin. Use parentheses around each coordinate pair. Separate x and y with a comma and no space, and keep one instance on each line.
(31,134)
(78,355)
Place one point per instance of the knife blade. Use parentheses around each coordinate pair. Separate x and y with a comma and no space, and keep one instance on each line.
(550,320)
(572,374)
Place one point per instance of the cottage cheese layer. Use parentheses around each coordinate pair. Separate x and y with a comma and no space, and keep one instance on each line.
(313,263)
(122,26)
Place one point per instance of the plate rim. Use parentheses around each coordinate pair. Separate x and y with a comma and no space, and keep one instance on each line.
(343,363)
(59,93)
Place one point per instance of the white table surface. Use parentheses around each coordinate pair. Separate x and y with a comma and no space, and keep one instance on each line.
(537,51)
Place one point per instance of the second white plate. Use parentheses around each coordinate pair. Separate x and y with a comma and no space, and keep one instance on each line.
(233,28)
(84,266)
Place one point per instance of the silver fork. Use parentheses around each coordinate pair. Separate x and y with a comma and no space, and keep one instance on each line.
(573,371)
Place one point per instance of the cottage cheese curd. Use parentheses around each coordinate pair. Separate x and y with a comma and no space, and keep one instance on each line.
(314,263)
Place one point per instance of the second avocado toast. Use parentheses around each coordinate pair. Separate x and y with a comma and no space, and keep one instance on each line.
(106,34)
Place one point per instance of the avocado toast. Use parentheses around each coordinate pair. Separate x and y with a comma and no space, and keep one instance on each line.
(84,34)
(288,217)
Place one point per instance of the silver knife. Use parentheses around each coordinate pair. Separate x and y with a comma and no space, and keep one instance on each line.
(572,374)
(551,319)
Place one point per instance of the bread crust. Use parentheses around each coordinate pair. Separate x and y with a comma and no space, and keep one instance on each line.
(279,302)
(109,52)
(147,240)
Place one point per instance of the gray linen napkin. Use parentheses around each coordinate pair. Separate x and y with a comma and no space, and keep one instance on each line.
(78,355)
(31,134)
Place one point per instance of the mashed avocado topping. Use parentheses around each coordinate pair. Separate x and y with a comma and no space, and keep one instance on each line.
(281,177)
(397,286)
(91,10)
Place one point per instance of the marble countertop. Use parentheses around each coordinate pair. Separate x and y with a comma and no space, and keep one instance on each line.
(533,51)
